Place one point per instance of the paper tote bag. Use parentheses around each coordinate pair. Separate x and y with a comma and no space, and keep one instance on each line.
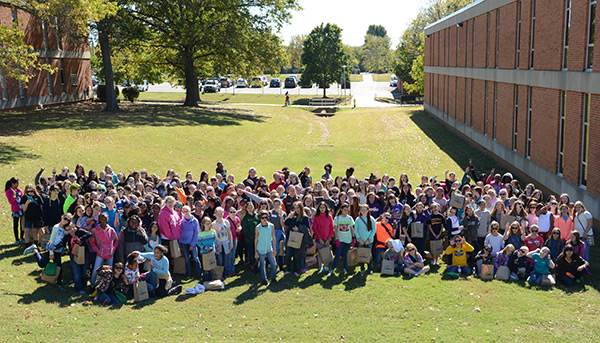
(174,249)
(281,248)
(436,247)
(140,291)
(416,230)
(352,257)
(79,254)
(457,200)
(548,280)
(487,271)
(506,219)
(209,261)
(179,266)
(326,256)
(502,273)
(295,240)
(387,267)
(364,255)
(217,272)
(51,278)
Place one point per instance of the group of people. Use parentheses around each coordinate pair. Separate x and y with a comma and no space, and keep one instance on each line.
(117,228)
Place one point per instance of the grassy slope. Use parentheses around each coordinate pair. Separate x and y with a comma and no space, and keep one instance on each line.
(357,308)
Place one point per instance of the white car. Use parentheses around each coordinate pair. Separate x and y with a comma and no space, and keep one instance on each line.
(393,81)
(241,83)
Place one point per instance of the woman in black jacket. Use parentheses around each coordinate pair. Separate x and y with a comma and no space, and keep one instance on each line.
(570,266)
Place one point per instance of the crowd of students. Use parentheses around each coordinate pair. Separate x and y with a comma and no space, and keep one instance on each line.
(117,228)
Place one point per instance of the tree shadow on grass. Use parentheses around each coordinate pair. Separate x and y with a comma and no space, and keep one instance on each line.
(10,154)
(85,116)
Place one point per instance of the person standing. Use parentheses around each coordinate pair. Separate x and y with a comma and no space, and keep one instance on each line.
(287,99)
(14,194)
(264,246)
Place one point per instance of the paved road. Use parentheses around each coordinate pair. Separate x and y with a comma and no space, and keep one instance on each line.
(364,92)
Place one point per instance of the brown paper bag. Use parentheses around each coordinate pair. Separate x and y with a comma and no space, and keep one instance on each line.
(209,261)
(387,267)
(506,219)
(436,247)
(311,261)
(457,200)
(487,272)
(326,255)
(312,250)
(548,280)
(364,255)
(174,249)
(352,257)
(295,240)
(79,254)
(179,266)
(217,272)
(417,230)
(51,278)
(140,291)
(44,239)
(503,273)
(281,248)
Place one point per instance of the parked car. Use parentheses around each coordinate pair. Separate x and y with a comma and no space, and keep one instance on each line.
(241,83)
(256,82)
(211,86)
(275,83)
(295,77)
(393,81)
(225,82)
(290,82)
(264,80)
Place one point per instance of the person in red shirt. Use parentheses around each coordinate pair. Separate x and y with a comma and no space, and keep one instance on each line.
(277,181)
(323,230)
(534,240)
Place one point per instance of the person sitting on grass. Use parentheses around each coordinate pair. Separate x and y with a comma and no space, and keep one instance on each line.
(484,256)
(264,245)
(395,252)
(503,256)
(132,274)
(112,286)
(458,249)
(542,263)
(54,248)
(570,266)
(159,266)
(519,264)
(413,262)
(514,235)
(555,243)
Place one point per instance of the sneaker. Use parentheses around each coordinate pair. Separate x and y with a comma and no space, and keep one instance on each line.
(21,241)
(30,249)
(175,290)
(321,269)
(326,269)
(17,242)
(273,281)
(362,272)
(330,273)
(265,282)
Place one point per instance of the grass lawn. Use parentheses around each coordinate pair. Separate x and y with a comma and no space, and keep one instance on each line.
(356,78)
(314,308)
(230,98)
(382,77)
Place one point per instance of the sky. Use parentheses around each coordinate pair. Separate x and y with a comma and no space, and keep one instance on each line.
(353,17)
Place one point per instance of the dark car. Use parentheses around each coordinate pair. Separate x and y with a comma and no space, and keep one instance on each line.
(290,82)
(275,83)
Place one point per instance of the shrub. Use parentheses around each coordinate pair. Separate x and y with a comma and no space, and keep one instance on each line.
(131,93)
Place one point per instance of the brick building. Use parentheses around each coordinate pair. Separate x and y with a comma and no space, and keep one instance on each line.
(520,79)
(72,80)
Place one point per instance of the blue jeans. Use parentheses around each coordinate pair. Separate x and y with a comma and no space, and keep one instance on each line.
(535,278)
(566,280)
(292,257)
(230,260)
(190,256)
(464,270)
(587,252)
(342,251)
(105,299)
(250,252)
(379,256)
(263,266)
(362,265)
(43,260)
(150,279)
(78,275)
(99,261)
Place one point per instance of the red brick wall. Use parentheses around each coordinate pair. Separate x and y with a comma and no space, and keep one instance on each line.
(478,104)
(593,185)
(460,99)
(452,96)
(490,109)
(38,85)
(578,35)
(573,126)
(549,24)
(470,43)
(453,41)
(480,41)
(33,30)
(427,60)
(492,42)
(462,38)
(506,105)
(545,119)
(525,40)
(508,36)
(522,121)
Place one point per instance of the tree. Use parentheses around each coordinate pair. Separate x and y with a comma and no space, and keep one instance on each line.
(323,55)
(375,54)
(377,31)
(417,74)
(294,52)
(199,38)
(412,39)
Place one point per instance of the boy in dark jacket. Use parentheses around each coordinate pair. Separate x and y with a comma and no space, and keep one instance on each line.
(518,264)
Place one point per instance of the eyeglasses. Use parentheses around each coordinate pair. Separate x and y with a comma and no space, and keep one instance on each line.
(178,207)
(232,212)
(119,268)
(264,217)
(534,230)
(411,250)
(494,228)
(556,233)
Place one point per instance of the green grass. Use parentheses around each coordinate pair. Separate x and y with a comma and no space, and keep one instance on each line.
(382,77)
(356,78)
(272,99)
(314,308)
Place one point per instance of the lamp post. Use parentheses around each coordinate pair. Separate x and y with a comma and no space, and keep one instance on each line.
(344,82)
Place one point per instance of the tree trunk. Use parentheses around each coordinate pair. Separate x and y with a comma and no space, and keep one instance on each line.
(324,87)
(111,96)
(192,92)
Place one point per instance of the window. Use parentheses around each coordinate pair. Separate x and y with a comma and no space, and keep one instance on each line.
(457,45)
(487,43)
(529,111)
(561,133)
(46,46)
(532,33)
(566,33)
(3,86)
(515,117)
(485,114)
(62,77)
(21,89)
(471,121)
(73,79)
(495,109)
(466,94)
(497,36)
(518,32)
(591,32)
(473,45)
(585,139)
(467,46)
